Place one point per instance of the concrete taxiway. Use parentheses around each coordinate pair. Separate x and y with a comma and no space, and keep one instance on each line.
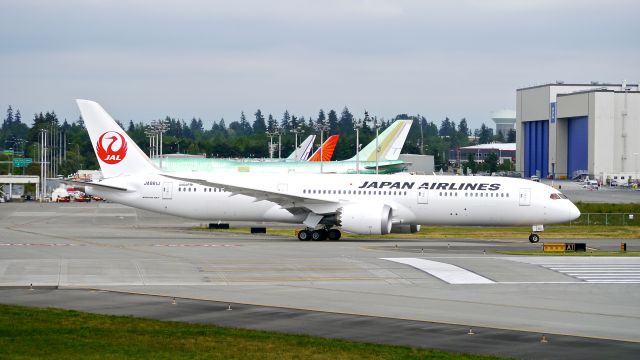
(113,247)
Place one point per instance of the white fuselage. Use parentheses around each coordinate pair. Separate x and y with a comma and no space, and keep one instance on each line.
(414,199)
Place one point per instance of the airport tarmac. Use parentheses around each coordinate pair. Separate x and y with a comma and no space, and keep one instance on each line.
(113,247)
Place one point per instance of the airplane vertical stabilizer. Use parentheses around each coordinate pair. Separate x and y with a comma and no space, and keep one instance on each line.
(117,153)
(390,143)
(303,150)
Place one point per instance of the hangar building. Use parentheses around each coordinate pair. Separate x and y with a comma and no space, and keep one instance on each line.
(572,130)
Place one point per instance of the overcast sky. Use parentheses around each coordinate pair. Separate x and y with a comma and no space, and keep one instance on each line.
(144,60)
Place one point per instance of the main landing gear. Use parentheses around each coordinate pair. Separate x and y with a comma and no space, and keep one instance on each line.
(319,234)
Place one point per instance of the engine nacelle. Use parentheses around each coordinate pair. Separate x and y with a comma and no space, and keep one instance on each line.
(366,219)
(405,228)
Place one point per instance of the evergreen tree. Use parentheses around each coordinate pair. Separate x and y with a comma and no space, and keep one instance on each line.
(491,162)
(8,121)
(321,118)
(259,126)
(485,135)
(346,121)
(245,128)
(285,124)
(272,124)
(333,122)
(511,136)
(470,166)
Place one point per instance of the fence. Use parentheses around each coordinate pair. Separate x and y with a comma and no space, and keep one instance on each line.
(614,219)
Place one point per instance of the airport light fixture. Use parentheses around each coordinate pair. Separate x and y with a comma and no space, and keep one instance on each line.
(271,133)
(159,127)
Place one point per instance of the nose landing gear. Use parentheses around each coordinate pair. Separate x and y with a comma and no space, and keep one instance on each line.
(534,238)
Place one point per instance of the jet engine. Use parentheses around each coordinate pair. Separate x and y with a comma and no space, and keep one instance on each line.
(405,228)
(368,219)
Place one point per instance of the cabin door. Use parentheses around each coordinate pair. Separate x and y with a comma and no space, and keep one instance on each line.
(423,196)
(525,197)
(167,188)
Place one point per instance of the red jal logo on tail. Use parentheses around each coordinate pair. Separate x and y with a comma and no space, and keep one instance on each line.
(115,150)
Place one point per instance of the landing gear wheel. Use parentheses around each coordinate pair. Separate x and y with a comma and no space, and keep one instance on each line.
(534,238)
(304,235)
(317,235)
(334,234)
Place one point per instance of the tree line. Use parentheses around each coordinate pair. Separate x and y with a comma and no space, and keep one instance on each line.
(247,136)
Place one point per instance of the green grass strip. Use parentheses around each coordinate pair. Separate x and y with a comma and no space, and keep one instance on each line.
(481,232)
(577,253)
(27,333)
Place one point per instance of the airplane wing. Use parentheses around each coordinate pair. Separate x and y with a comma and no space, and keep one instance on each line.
(292,203)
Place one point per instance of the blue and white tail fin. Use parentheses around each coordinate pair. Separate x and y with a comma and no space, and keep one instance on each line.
(117,153)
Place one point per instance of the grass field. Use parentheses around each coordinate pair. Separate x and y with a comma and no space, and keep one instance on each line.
(62,334)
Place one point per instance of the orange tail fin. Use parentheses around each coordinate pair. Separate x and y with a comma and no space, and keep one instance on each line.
(327,149)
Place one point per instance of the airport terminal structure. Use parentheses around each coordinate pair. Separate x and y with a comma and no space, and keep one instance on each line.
(574,130)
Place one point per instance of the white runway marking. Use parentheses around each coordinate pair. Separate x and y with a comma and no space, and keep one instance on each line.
(600,273)
(446,272)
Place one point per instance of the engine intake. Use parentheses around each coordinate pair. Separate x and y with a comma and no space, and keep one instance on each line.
(366,219)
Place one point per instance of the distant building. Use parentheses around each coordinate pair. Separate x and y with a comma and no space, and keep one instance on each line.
(479,152)
(419,164)
(573,130)
(505,121)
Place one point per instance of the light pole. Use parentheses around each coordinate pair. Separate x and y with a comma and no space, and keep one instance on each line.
(357,126)
(297,130)
(43,163)
(280,130)
(150,133)
(375,125)
(271,133)
(322,128)
(635,156)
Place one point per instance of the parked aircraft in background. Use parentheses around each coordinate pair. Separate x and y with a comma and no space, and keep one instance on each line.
(389,145)
(324,203)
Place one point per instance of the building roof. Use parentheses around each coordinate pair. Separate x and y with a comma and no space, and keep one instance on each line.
(573,84)
(494,146)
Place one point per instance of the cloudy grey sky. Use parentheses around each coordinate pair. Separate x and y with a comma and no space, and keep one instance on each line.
(211,59)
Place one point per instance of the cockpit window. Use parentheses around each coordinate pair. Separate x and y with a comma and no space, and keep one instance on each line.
(558,196)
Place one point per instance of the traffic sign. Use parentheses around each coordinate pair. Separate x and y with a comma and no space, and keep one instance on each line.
(22,162)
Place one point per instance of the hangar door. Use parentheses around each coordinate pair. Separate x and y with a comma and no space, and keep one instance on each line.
(577,146)
(536,148)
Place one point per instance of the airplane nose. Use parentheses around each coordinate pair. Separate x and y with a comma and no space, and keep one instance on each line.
(574,212)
